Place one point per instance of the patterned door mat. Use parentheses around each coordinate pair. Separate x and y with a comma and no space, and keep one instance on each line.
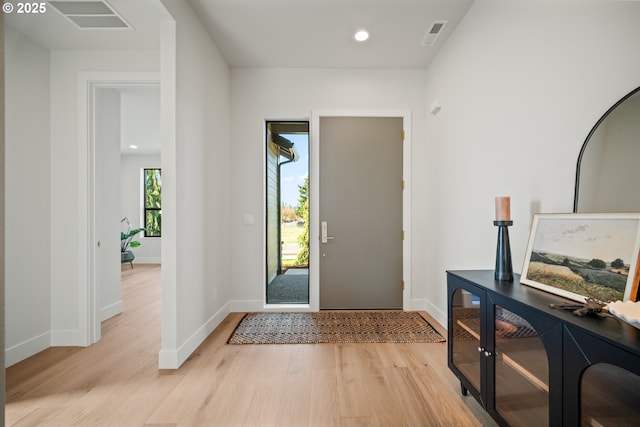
(334,327)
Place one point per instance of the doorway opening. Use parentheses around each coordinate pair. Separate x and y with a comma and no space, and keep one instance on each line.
(104,122)
(287,212)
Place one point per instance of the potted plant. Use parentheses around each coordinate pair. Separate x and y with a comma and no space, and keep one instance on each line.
(126,241)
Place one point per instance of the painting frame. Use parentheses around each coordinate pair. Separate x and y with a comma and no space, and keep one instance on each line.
(566,255)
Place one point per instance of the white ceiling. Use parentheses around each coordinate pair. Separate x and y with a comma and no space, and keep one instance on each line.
(140,119)
(272,33)
(54,31)
(319,33)
(268,33)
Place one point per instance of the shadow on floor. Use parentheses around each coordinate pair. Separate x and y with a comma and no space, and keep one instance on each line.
(292,287)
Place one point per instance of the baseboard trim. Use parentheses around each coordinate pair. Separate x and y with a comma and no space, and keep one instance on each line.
(174,358)
(67,338)
(145,260)
(246,306)
(26,349)
(111,310)
(426,305)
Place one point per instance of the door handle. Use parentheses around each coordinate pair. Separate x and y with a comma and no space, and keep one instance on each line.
(323,233)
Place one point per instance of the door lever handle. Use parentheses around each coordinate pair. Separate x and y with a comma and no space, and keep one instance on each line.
(323,233)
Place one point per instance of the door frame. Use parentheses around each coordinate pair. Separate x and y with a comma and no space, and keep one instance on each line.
(314,197)
(89,295)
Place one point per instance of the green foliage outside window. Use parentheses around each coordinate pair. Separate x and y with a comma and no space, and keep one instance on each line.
(152,202)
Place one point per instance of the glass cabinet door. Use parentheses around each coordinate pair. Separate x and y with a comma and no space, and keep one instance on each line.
(466,335)
(521,371)
(609,396)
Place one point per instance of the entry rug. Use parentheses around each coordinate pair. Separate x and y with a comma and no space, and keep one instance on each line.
(334,327)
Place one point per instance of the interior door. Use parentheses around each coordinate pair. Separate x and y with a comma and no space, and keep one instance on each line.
(360,206)
(107,125)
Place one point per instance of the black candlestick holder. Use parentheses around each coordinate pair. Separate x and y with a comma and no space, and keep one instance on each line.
(504,269)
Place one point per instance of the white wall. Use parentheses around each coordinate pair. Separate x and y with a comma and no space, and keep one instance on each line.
(68,284)
(2,220)
(521,84)
(196,260)
(131,203)
(27,197)
(260,94)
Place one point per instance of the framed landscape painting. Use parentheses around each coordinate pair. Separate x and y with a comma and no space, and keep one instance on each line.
(581,256)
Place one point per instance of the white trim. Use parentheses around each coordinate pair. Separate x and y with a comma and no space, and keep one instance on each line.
(146,260)
(25,349)
(314,214)
(251,305)
(66,337)
(88,297)
(111,310)
(286,307)
(244,306)
(421,304)
(172,359)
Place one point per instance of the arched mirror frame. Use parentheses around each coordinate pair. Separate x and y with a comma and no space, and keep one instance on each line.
(586,142)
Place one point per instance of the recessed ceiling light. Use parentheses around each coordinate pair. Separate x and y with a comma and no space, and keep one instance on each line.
(133,147)
(361,35)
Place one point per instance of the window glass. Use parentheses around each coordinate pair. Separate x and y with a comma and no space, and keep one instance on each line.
(152,202)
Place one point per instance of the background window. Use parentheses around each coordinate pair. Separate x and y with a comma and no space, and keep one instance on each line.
(152,202)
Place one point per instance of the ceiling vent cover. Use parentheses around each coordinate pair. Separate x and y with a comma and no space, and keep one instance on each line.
(436,29)
(86,15)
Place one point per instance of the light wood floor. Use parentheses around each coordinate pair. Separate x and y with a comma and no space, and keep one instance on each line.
(116,382)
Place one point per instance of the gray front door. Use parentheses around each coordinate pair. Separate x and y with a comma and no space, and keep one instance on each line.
(360,212)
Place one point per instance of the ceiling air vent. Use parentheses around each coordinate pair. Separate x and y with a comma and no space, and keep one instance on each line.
(430,38)
(90,14)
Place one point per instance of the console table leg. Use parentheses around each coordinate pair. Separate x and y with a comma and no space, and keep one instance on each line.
(463,389)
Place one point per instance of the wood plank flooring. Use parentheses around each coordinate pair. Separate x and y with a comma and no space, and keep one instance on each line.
(116,382)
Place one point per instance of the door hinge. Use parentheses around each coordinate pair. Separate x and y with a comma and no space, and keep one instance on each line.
(402,134)
(403,285)
(403,184)
(402,234)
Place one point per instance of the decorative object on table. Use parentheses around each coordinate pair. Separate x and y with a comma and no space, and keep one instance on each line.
(126,241)
(504,268)
(590,306)
(629,311)
(580,256)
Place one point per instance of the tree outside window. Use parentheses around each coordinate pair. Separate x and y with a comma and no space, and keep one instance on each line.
(152,202)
